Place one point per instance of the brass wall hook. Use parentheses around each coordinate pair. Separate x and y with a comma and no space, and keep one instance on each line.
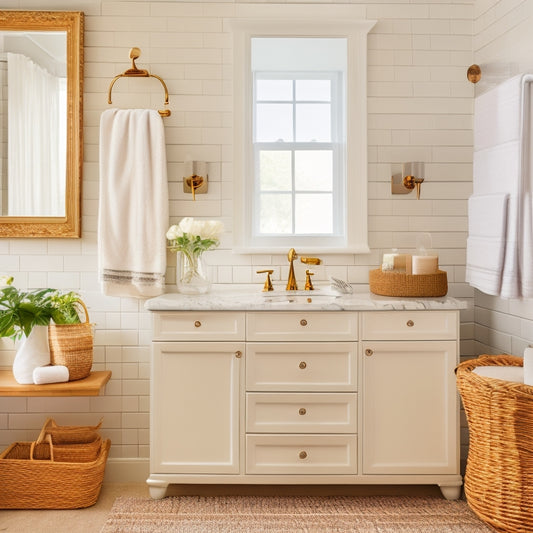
(473,73)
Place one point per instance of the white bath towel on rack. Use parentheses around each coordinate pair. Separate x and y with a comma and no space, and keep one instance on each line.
(501,155)
(133,206)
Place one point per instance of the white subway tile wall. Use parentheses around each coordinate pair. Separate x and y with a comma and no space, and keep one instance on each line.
(420,108)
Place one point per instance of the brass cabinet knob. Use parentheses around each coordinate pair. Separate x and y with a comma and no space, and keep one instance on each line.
(302,455)
(369,352)
(197,324)
(303,322)
(238,354)
(302,411)
(302,365)
(410,323)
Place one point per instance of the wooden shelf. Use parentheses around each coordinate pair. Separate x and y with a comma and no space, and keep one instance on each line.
(90,386)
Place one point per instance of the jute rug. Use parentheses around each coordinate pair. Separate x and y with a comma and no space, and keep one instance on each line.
(292,514)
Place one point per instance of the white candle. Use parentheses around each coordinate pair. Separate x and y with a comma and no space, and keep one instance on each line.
(425,264)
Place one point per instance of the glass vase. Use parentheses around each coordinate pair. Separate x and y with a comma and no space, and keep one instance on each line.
(192,275)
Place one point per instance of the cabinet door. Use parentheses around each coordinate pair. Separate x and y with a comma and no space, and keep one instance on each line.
(195,407)
(410,407)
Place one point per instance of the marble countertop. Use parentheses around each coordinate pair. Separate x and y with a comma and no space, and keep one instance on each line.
(227,297)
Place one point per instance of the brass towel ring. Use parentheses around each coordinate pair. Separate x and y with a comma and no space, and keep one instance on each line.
(135,72)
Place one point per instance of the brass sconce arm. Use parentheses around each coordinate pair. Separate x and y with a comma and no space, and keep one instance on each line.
(409,179)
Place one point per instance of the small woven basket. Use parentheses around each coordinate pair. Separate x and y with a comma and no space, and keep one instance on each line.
(71,345)
(400,284)
(499,471)
(69,434)
(72,444)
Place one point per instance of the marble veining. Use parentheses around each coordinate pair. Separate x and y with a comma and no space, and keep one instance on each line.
(226,297)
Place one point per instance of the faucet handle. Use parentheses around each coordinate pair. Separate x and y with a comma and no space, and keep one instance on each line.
(268,282)
(308,283)
(311,260)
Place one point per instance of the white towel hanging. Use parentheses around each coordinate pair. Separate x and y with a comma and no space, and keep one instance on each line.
(502,125)
(133,207)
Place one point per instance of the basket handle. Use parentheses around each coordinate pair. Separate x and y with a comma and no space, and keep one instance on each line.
(85,310)
(50,422)
(48,439)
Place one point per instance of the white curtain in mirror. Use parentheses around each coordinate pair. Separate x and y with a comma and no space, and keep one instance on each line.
(36,139)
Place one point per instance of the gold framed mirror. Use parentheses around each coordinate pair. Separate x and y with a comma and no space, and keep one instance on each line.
(41,155)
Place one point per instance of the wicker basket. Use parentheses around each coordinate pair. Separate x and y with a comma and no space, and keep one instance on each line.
(499,471)
(69,434)
(71,345)
(28,483)
(400,284)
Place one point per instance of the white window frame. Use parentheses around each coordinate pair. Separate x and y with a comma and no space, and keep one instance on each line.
(302,21)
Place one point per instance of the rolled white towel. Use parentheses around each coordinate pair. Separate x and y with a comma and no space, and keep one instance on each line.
(50,374)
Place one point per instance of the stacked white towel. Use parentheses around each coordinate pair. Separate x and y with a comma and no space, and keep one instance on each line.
(133,210)
(499,252)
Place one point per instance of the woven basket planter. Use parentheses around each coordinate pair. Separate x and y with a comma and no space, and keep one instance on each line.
(71,345)
(499,474)
(408,285)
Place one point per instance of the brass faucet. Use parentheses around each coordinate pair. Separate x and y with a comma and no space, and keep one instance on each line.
(308,273)
(291,282)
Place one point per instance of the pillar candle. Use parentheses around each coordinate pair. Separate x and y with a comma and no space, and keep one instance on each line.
(425,264)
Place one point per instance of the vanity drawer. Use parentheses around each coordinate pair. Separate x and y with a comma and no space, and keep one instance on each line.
(409,325)
(301,454)
(198,325)
(301,366)
(301,413)
(301,326)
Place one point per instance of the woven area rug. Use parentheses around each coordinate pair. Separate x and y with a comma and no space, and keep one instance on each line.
(292,514)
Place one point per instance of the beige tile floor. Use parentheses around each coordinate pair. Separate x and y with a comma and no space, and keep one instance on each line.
(89,520)
(92,519)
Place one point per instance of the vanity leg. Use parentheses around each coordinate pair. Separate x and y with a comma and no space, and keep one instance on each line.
(158,489)
(451,492)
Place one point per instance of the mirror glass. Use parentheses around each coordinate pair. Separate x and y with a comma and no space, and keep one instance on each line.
(40,117)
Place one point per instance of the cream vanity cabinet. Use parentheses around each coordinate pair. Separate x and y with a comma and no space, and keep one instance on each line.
(195,396)
(410,406)
(304,397)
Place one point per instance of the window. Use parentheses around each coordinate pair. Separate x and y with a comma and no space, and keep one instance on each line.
(300,142)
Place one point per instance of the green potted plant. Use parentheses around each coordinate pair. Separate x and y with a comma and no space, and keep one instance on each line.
(26,314)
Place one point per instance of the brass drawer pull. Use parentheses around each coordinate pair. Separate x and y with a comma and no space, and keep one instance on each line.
(303,322)
(302,365)
(238,354)
(302,455)
(197,324)
(410,323)
(369,352)
(302,411)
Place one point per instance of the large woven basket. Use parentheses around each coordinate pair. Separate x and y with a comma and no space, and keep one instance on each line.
(29,483)
(407,285)
(71,345)
(499,472)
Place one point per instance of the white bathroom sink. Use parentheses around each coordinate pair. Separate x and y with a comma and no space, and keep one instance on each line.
(303,298)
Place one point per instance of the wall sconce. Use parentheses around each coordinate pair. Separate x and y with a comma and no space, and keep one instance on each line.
(410,178)
(196,180)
